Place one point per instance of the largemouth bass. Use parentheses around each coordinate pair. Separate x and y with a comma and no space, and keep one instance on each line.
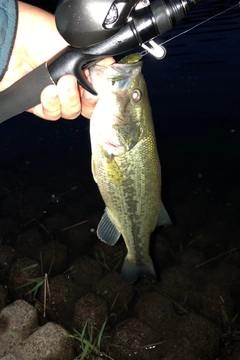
(125,165)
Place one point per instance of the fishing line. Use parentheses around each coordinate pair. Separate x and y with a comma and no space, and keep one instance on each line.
(204,21)
(159,51)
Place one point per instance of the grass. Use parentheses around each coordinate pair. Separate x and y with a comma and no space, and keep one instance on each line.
(90,343)
(229,326)
(37,283)
(110,264)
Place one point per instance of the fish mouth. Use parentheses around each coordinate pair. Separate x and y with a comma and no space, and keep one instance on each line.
(123,71)
(126,68)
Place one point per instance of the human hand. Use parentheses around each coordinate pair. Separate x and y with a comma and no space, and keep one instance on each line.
(68,99)
(37,40)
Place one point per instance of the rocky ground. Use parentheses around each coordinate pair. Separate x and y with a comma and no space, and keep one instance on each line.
(57,278)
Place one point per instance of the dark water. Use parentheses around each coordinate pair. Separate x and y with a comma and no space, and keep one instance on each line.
(194,94)
(194,91)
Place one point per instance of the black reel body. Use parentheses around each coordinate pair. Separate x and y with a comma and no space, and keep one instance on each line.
(83,22)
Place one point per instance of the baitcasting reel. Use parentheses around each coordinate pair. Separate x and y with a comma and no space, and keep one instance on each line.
(83,23)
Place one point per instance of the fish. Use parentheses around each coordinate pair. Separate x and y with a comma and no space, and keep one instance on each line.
(125,165)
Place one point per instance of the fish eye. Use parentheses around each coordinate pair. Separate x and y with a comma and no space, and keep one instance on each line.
(136,95)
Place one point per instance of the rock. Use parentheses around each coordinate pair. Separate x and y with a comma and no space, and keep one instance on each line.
(11,357)
(61,298)
(48,342)
(22,339)
(133,339)
(176,283)
(189,258)
(28,243)
(90,307)
(211,301)
(85,271)
(157,312)
(224,274)
(170,350)
(53,257)
(17,322)
(117,294)
(24,276)
(197,334)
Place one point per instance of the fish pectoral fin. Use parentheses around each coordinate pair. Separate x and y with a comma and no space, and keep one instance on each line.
(107,231)
(113,172)
(131,271)
(163,218)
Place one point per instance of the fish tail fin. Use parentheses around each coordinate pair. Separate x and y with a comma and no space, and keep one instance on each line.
(131,271)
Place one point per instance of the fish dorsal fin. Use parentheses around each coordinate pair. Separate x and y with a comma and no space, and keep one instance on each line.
(163,218)
(107,231)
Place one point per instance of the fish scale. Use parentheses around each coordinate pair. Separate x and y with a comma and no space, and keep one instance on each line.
(128,172)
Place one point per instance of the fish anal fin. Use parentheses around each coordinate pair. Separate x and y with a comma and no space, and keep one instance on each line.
(163,218)
(131,271)
(107,231)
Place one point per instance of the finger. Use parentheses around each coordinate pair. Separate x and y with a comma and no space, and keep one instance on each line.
(49,108)
(107,61)
(69,97)
(87,99)
(88,103)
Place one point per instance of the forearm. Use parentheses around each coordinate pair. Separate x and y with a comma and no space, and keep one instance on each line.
(38,29)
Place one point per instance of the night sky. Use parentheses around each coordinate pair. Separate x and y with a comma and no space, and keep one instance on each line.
(194,92)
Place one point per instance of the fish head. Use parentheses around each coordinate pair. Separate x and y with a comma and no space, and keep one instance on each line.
(117,119)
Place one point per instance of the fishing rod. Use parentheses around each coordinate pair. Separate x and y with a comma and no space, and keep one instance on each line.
(199,24)
(95,29)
